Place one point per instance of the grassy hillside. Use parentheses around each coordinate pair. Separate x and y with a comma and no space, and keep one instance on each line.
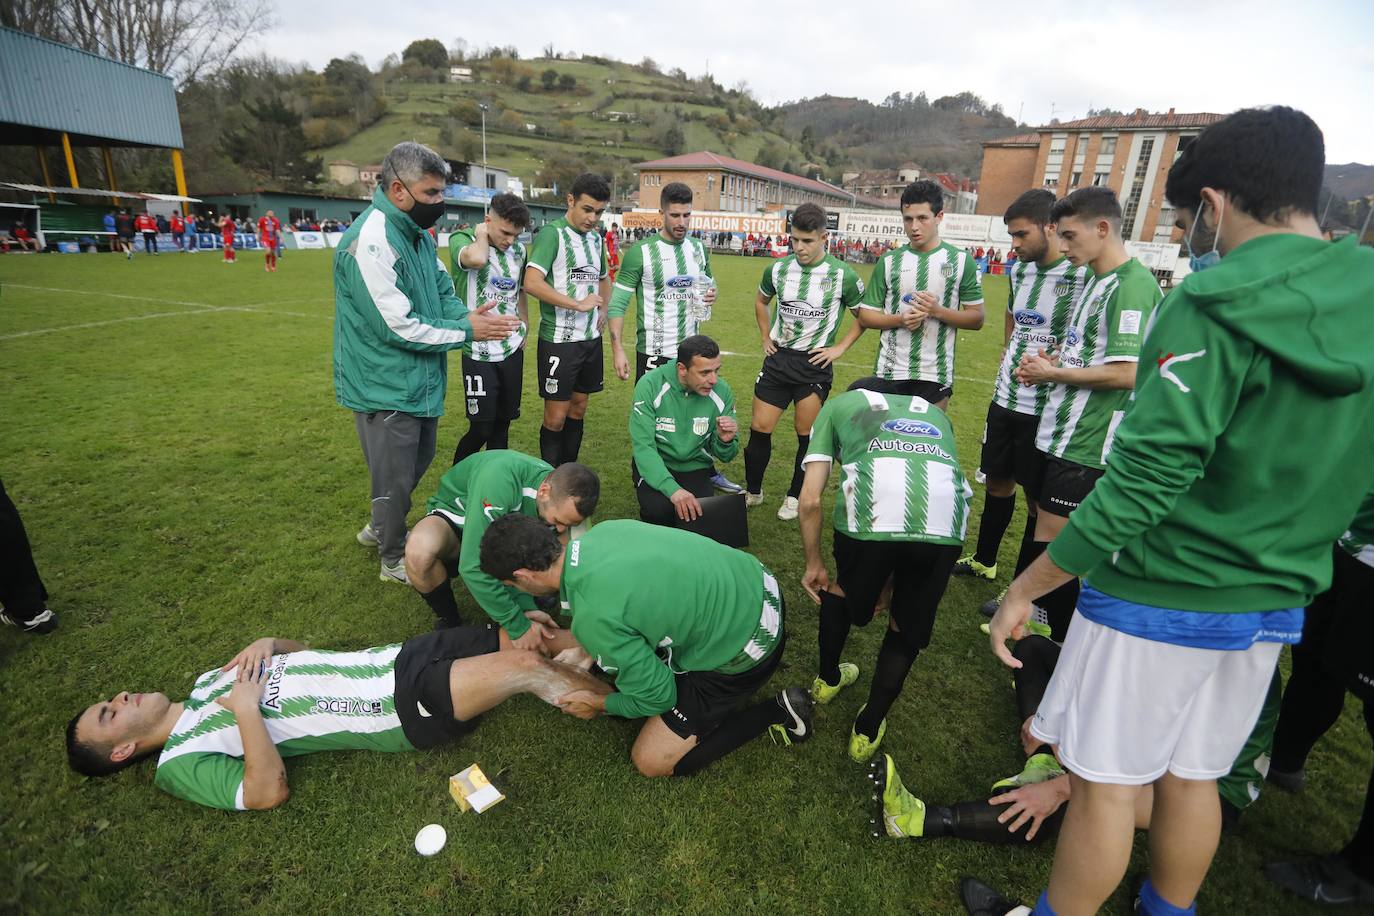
(616,114)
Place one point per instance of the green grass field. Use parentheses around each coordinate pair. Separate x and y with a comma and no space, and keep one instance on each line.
(171,437)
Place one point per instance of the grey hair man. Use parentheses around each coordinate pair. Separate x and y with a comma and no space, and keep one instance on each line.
(396,317)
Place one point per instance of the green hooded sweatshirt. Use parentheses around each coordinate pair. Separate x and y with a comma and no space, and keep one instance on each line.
(1248,448)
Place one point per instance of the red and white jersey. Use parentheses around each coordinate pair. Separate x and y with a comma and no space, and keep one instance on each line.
(178,224)
(145,223)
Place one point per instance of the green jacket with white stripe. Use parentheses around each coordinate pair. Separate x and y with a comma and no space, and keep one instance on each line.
(396,315)
(674,429)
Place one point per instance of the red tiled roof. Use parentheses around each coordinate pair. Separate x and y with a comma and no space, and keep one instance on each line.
(1141,120)
(709,160)
(1018,140)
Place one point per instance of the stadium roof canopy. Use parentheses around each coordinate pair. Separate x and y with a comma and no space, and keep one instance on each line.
(705,160)
(51,89)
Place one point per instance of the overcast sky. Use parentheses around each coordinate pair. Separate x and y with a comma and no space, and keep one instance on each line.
(1038,60)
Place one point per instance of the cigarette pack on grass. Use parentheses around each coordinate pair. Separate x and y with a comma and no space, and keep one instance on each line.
(472,790)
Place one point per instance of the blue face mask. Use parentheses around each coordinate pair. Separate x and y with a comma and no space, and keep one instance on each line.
(1197,262)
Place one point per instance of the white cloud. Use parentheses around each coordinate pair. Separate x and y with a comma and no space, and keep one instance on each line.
(1181,54)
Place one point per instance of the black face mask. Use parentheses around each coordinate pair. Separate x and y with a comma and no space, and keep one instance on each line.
(422,214)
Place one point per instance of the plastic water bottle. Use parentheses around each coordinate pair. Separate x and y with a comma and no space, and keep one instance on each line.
(701,309)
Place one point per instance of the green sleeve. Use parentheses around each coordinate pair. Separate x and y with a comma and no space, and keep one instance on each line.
(456,243)
(379,303)
(214,780)
(601,250)
(823,443)
(627,280)
(852,290)
(706,261)
(970,290)
(498,489)
(875,297)
(544,249)
(766,285)
(643,428)
(1166,439)
(644,686)
(1127,315)
(725,451)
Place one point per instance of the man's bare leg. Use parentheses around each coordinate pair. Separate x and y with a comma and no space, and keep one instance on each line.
(1094,846)
(657,750)
(482,682)
(431,550)
(1184,832)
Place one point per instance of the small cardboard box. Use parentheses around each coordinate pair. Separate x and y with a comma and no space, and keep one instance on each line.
(472,790)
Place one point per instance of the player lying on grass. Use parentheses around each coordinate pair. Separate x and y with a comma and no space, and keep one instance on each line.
(690,629)
(223,745)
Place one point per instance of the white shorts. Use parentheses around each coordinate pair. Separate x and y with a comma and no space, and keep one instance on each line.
(1125,710)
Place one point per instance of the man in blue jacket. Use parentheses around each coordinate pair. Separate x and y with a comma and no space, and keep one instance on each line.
(396,318)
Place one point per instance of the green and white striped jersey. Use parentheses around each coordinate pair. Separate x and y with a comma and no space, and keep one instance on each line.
(1039,304)
(499,280)
(810,300)
(660,273)
(1106,325)
(926,354)
(1358,540)
(900,478)
(573,263)
(313,701)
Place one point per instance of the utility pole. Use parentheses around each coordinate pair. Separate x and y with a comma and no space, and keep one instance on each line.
(486,200)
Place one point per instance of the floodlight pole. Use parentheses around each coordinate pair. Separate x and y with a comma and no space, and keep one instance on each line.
(486,201)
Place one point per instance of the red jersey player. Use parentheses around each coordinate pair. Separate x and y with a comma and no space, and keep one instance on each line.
(269,236)
(612,255)
(227,227)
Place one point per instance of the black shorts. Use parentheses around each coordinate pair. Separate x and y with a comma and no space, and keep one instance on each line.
(919,573)
(787,375)
(1338,627)
(1064,485)
(422,681)
(933,392)
(1009,451)
(492,389)
(644,362)
(575,366)
(707,698)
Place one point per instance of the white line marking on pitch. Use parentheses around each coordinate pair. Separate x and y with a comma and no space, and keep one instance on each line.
(205,306)
(98,324)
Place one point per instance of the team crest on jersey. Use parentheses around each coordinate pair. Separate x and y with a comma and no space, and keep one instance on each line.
(1063,287)
(472,406)
(827,284)
(903,426)
(701,426)
(947,270)
(1028,318)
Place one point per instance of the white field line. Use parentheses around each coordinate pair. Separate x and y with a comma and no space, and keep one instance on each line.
(201,311)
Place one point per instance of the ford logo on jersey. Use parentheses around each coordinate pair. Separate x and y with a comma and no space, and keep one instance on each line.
(1029,319)
(681,282)
(905,427)
(504,284)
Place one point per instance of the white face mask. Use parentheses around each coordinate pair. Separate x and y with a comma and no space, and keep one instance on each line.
(1197,262)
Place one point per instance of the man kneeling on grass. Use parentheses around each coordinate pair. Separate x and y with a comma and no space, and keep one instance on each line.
(689,629)
(223,746)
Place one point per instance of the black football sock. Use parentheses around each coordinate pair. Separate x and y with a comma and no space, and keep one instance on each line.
(734,731)
(977,820)
(895,659)
(997,512)
(1037,656)
(1028,552)
(1059,606)
(478,434)
(551,445)
(500,434)
(443,604)
(756,455)
(797,473)
(833,631)
(1359,852)
(572,439)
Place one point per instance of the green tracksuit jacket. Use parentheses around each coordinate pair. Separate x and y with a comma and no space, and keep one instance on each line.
(674,429)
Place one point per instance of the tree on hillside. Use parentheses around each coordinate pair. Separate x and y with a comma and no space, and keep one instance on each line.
(427,52)
(649,65)
(672,140)
(549,78)
(458,50)
(184,39)
(349,74)
(273,145)
(511,121)
(567,82)
(525,83)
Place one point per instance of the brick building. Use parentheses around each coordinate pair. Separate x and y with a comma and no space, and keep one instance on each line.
(882,182)
(1131,154)
(720,183)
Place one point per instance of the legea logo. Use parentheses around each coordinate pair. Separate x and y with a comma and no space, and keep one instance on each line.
(906,427)
(679,282)
(1029,319)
